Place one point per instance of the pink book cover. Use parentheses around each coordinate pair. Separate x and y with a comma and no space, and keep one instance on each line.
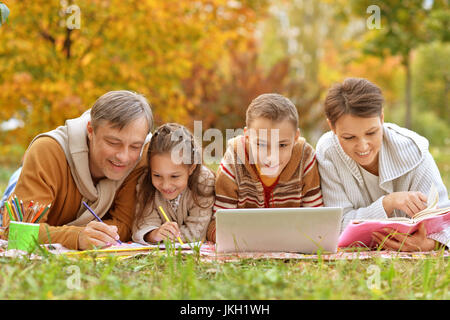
(359,233)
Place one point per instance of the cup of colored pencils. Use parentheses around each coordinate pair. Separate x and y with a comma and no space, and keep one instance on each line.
(24,223)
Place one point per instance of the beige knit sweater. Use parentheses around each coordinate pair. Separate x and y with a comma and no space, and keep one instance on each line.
(192,219)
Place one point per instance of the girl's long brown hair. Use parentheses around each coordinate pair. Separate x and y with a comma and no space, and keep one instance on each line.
(164,140)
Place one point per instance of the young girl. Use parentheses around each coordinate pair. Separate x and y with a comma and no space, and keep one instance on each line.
(176,182)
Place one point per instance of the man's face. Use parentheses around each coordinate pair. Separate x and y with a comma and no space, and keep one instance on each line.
(113,153)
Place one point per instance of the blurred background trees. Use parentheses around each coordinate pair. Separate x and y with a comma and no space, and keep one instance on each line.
(207,59)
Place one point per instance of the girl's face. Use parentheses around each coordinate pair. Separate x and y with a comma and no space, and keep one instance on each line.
(168,177)
(361,139)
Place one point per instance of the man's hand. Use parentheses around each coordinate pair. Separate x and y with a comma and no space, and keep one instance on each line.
(97,234)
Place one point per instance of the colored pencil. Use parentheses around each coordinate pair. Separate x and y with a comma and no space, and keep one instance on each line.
(9,211)
(96,216)
(37,215)
(16,212)
(21,207)
(41,215)
(167,219)
(16,201)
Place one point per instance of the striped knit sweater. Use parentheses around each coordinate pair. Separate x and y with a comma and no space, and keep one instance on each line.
(238,184)
(405,164)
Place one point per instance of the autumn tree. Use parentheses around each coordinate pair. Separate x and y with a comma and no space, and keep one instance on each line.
(403,26)
(57,57)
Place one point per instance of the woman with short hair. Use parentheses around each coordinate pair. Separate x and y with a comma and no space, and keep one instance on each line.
(376,170)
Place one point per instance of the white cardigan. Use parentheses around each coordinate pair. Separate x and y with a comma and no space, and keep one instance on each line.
(405,164)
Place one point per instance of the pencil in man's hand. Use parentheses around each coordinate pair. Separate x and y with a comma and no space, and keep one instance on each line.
(96,216)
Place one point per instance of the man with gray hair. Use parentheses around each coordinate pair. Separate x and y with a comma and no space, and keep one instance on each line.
(96,158)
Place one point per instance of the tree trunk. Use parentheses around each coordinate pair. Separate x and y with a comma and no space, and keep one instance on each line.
(68,43)
(408,113)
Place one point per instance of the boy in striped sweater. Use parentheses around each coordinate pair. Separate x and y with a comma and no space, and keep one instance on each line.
(270,165)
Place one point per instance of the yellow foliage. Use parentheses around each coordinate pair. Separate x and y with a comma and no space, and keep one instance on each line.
(49,73)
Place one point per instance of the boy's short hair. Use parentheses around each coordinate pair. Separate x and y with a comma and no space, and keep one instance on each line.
(272,106)
(120,108)
(356,96)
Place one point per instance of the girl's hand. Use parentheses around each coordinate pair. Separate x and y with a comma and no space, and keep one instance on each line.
(395,241)
(167,230)
(409,202)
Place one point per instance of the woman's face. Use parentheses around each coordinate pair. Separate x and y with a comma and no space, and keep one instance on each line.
(361,139)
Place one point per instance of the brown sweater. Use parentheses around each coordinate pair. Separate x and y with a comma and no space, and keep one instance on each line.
(46,178)
(238,184)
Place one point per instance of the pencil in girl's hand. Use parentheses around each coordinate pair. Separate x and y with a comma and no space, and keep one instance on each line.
(96,216)
(167,219)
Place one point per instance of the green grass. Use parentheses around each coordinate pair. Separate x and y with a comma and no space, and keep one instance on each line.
(176,276)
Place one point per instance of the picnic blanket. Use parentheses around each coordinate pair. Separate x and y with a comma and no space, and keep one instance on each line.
(207,252)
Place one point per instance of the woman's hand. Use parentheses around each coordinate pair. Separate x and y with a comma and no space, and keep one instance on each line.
(409,202)
(167,230)
(395,241)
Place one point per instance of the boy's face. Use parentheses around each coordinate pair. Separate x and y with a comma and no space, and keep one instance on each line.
(271,144)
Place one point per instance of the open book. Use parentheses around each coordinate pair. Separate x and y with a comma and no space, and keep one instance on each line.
(359,232)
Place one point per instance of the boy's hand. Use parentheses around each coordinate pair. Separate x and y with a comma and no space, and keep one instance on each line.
(409,202)
(167,230)
(97,234)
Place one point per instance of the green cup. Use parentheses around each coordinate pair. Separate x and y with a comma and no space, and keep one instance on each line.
(23,235)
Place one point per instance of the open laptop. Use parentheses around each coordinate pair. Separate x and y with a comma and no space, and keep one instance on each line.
(303,230)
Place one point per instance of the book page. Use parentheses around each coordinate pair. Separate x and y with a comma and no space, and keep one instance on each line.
(431,209)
